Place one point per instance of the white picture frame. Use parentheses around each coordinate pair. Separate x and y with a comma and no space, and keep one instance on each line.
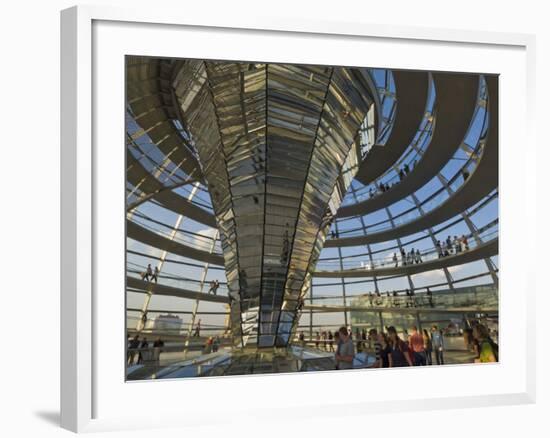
(81,365)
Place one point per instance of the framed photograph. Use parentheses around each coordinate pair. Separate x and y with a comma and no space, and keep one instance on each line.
(253,210)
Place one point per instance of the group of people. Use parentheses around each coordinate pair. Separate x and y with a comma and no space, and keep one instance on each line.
(138,347)
(390,350)
(211,345)
(449,247)
(404,171)
(395,299)
(407,258)
(417,348)
(384,187)
(323,339)
(380,188)
(452,246)
(150,274)
(344,353)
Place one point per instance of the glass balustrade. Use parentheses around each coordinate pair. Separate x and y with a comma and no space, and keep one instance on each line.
(415,151)
(426,255)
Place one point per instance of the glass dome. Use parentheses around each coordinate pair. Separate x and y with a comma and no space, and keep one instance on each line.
(270,205)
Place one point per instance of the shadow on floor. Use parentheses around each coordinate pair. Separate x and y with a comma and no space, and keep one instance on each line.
(52,417)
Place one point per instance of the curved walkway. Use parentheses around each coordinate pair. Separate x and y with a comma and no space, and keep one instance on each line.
(484,250)
(180,205)
(412,88)
(483,180)
(410,310)
(148,92)
(137,174)
(411,91)
(480,183)
(143,235)
(456,99)
(160,289)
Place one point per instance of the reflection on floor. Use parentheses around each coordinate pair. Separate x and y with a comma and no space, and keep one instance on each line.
(247,361)
(226,362)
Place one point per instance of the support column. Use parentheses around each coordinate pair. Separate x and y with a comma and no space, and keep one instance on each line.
(344,300)
(141,326)
(311,316)
(382,328)
(400,246)
(197,301)
(448,275)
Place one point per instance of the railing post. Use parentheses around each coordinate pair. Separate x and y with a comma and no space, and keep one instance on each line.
(381,322)
(418,321)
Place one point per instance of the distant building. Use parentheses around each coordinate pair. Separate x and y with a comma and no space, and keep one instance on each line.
(170,323)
